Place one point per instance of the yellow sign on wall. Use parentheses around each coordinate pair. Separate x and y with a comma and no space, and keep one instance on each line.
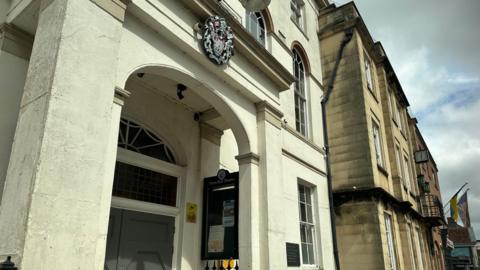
(191,212)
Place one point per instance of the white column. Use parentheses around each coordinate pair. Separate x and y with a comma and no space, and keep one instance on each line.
(271,176)
(56,198)
(249,213)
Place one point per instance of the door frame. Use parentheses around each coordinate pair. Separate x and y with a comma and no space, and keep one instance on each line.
(160,166)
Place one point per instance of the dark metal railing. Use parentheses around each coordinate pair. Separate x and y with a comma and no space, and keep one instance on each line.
(222,265)
(8,264)
(431,206)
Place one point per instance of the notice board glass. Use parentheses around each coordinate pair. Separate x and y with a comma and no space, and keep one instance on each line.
(220,217)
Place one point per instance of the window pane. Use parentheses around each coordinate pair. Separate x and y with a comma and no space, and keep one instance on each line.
(311,255)
(309,230)
(303,212)
(301,193)
(303,233)
(144,185)
(305,254)
(308,195)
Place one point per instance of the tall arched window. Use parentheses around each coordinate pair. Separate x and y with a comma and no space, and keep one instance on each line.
(257,27)
(300,93)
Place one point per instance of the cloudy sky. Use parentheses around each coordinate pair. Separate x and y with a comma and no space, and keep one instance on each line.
(434,47)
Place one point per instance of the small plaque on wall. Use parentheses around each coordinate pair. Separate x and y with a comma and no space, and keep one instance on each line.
(293,254)
(192,212)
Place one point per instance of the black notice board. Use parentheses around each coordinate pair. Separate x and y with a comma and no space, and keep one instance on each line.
(220,217)
(293,254)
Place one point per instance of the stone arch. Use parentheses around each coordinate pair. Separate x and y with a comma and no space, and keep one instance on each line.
(213,96)
(268,21)
(297,46)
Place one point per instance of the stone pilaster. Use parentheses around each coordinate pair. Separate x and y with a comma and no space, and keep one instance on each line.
(249,234)
(269,125)
(61,168)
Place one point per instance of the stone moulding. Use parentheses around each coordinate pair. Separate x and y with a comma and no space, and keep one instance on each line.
(116,8)
(267,112)
(248,158)
(15,41)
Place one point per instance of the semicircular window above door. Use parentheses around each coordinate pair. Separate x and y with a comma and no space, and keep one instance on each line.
(134,137)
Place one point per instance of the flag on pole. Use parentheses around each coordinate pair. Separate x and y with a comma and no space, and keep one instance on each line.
(462,207)
(454,208)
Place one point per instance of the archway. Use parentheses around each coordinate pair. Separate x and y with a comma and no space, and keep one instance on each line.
(194,120)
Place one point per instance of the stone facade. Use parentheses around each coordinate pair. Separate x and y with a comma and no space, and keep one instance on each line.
(379,220)
(71,70)
(75,73)
(428,171)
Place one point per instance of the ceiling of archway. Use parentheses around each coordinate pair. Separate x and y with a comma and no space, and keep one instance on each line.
(191,101)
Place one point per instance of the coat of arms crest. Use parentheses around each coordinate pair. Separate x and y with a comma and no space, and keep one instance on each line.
(217,40)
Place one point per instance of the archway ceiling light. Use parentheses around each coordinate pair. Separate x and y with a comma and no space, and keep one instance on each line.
(255,5)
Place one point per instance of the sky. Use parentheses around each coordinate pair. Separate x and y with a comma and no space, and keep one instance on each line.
(434,47)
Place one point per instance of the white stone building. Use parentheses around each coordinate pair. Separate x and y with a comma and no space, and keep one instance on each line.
(74,74)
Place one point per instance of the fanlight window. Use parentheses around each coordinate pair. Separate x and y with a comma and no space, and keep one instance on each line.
(134,137)
(256,26)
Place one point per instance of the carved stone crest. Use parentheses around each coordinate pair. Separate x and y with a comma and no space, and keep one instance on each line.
(217,40)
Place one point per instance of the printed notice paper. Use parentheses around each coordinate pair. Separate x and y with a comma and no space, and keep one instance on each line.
(229,213)
(216,236)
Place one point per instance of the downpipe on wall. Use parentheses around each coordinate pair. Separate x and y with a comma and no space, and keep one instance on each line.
(329,88)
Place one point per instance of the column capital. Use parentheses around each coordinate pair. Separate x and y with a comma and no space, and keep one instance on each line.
(116,8)
(15,41)
(120,95)
(267,112)
(210,133)
(248,158)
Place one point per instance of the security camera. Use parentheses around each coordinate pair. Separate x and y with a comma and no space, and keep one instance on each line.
(180,89)
(198,27)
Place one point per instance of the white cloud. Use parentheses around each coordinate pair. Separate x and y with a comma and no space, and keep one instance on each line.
(462,79)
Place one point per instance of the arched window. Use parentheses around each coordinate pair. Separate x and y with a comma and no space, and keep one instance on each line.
(257,27)
(134,137)
(300,93)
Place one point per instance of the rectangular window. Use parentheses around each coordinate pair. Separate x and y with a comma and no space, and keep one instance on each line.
(390,242)
(307,224)
(399,117)
(377,142)
(368,73)
(410,246)
(406,172)
(297,12)
(396,113)
(389,101)
(418,249)
(399,161)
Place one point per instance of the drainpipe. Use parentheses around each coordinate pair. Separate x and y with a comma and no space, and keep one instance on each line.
(328,91)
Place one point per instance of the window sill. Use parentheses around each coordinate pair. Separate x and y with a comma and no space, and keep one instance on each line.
(302,29)
(373,94)
(303,138)
(382,170)
(395,122)
(310,267)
